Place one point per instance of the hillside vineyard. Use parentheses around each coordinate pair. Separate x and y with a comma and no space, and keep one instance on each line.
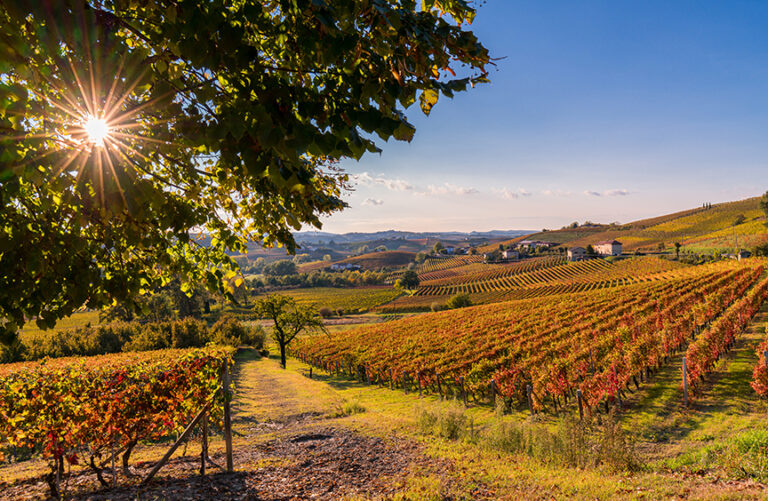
(596,341)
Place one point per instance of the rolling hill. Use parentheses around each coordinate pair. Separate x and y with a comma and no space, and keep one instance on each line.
(700,229)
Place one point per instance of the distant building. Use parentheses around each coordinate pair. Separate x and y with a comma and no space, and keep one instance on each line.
(510,254)
(534,244)
(577,253)
(345,267)
(608,248)
(449,250)
(743,254)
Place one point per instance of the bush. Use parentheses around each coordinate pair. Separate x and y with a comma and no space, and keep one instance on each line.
(437,306)
(449,421)
(325,312)
(230,332)
(459,301)
(571,443)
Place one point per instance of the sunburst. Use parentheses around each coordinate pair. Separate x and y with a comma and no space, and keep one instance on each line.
(96,130)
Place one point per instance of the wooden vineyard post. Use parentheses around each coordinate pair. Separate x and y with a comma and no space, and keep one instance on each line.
(405,383)
(391,380)
(227,418)
(685,384)
(439,388)
(618,390)
(463,391)
(112,451)
(204,444)
(418,380)
(581,406)
(493,393)
(529,391)
(310,372)
(765,356)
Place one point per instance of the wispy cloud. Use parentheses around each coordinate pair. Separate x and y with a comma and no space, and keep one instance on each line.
(447,189)
(512,194)
(372,202)
(557,193)
(608,193)
(391,184)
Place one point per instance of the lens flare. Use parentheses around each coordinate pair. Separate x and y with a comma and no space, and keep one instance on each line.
(96,129)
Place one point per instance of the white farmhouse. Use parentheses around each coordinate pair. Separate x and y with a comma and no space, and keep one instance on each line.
(577,254)
(510,254)
(608,248)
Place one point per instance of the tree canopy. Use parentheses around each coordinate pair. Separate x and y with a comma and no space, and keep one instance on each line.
(289,319)
(140,141)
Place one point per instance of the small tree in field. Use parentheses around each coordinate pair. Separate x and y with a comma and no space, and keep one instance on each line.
(677,249)
(289,319)
(409,280)
(764,203)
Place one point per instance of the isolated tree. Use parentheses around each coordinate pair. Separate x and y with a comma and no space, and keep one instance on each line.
(764,203)
(144,140)
(289,319)
(460,300)
(438,248)
(590,250)
(677,249)
(409,279)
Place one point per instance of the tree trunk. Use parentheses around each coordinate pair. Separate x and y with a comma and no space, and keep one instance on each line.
(282,354)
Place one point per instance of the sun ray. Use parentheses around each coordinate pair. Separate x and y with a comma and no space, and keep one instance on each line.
(116,178)
(80,86)
(108,107)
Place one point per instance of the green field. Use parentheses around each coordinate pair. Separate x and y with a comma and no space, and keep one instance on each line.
(351,300)
(78,319)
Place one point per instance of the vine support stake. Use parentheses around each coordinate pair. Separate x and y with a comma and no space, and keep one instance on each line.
(529,391)
(493,392)
(227,418)
(439,388)
(685,383)
(463,391)
(391,380)
(405,382)
(178,442)
(418,380)
(581,405)
(112,451)
(204,444)
(765,356)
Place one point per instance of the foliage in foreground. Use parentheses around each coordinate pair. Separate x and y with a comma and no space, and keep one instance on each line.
(226,118)
(77,411)
(132,336)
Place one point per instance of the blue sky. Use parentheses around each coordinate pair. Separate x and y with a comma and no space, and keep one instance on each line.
(603,111)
